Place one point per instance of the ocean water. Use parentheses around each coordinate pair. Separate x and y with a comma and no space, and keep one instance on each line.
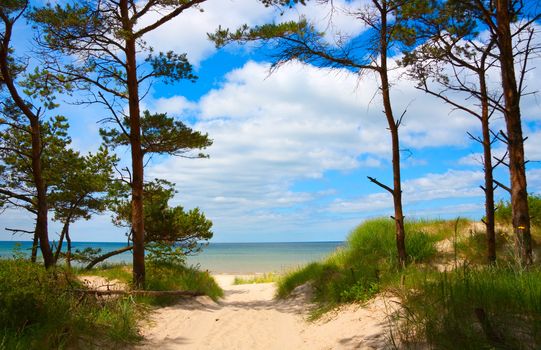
(217,257)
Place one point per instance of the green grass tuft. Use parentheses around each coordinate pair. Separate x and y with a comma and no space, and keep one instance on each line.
(496,307)
(165,276)
(121,272)
(364,266)
(264,278)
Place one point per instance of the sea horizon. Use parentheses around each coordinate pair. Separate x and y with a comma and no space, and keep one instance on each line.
(217,257)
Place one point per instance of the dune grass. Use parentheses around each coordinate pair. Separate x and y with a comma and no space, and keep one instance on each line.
(481,308)
(41,309)
(263,278)
(365,265)
(120,272)
(473,306)
(163,277)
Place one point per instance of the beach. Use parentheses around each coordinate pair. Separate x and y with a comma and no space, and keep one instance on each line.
(248,317)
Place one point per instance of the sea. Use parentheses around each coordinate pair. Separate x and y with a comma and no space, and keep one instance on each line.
(238,258)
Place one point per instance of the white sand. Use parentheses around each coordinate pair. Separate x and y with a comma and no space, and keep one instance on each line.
(249,318)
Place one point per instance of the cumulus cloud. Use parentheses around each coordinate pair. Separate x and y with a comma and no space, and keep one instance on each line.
(271,131)
(188,32)
(428,188)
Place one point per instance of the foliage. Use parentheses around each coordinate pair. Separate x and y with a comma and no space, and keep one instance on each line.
(365,265)
(160,135)
(170,232)
(504,213)
(495,307)
(15,150)
(39,309)
(76,192)
(81,190)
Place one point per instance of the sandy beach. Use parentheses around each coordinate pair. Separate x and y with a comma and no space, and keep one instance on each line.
(248,317)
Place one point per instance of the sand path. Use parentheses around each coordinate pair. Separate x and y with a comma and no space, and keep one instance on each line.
(249,318)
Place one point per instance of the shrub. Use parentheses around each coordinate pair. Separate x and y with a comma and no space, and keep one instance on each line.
(504,212)
(41,309)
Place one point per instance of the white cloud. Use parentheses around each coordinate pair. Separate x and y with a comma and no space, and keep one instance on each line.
(534,181)
(174,106)
(332,17)
(188,32)
(428,188)
(298,123)
(451,184)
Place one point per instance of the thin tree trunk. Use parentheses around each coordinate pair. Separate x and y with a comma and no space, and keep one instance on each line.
(393,128)
(36,144)
(65,229)
(68,252)
(136,151)
(488,170)
(35,245)
(514,138)
(393,125)
(41,196)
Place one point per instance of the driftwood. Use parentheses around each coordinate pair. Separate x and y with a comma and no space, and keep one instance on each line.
(157,293)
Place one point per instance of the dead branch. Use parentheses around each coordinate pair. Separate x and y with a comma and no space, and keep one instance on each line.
(502,186)
(390,190)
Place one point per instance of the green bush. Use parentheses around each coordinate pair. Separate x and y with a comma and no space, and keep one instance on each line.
(41,309)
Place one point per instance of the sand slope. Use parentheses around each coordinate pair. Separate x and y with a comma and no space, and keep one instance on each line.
(249,318)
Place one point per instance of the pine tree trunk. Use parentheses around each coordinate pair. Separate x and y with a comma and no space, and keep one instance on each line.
(41,197)
(35,246)
(138,228)
(515,140)
(36,145)
(65,229)
(68,252)
(395,142)
(488,170)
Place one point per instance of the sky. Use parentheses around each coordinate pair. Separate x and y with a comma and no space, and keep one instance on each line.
(292,150)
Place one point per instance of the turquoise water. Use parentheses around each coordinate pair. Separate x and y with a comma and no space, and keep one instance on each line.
(220,257)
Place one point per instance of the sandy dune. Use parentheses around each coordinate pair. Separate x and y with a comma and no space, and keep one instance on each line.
(249,318)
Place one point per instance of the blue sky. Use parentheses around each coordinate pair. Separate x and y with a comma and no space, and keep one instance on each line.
(292,150)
